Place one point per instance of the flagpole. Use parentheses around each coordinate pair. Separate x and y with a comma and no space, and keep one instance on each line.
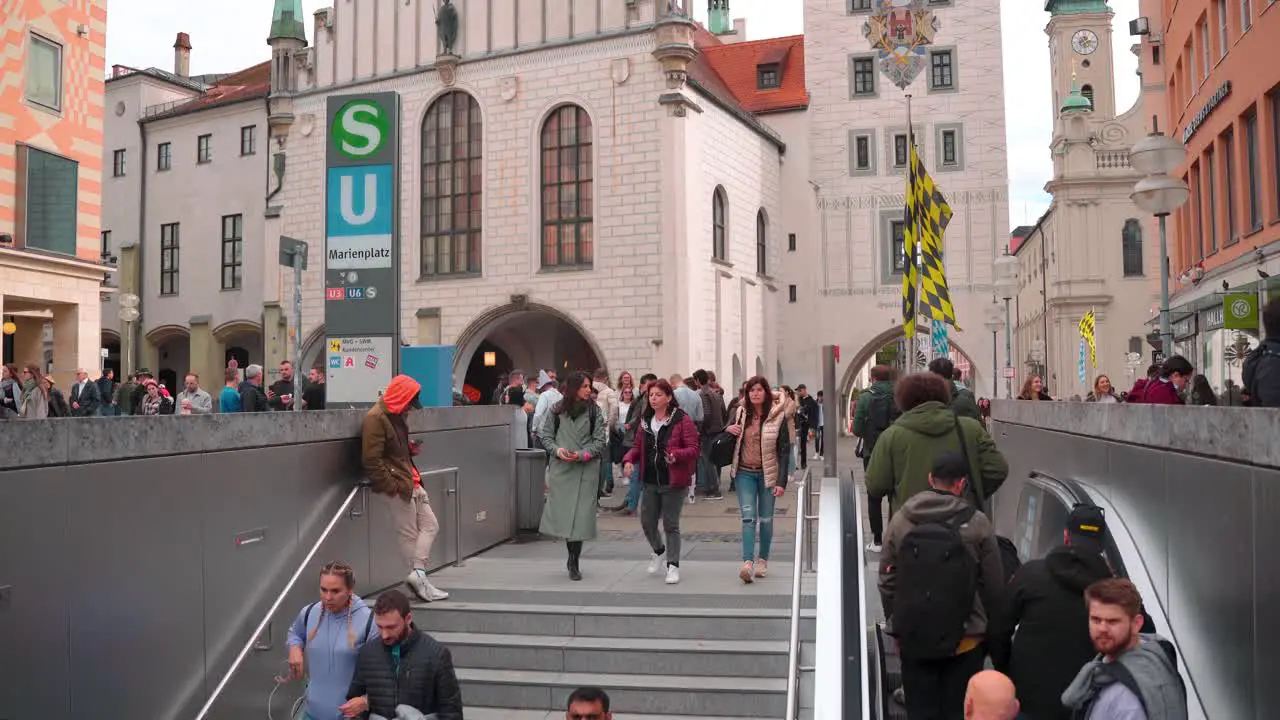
(914,341)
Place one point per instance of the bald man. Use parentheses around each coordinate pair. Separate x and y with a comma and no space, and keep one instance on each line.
(990,696)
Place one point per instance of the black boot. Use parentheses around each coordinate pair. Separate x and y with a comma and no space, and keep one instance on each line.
(575,552)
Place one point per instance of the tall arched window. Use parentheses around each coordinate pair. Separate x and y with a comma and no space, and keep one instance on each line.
(451,185)
(719,226)
(1131,243)
(1087,92)
(567,201)
(762,243)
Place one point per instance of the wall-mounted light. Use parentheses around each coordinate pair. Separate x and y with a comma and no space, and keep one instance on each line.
(490,359)
(10,328)
(1140,26)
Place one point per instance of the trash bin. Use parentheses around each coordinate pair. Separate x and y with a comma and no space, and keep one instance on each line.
(531,479)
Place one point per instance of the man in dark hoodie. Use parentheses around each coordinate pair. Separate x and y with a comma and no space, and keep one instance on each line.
(962,401)
(875,412)
(940,582)
(1045,604)
(1262,367)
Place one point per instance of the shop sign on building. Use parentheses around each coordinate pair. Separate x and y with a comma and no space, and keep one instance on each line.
(1240,311)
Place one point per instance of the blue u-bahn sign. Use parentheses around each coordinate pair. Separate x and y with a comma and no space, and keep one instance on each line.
(362,245)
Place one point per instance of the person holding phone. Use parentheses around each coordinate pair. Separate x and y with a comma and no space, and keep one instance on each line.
(759,471)
(576,436)
(667,450)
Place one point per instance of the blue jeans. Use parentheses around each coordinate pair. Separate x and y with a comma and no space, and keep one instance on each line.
(634,488)
(756,502)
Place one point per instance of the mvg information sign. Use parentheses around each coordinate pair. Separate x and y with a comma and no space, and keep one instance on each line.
(362,245)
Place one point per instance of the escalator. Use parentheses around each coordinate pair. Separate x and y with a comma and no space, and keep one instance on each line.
(868,665)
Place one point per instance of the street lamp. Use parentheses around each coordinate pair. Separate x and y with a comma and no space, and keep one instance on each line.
(128,315)
(1158,193)
(1006,285)
(993,322)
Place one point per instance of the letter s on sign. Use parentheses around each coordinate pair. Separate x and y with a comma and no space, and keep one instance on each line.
(361,128)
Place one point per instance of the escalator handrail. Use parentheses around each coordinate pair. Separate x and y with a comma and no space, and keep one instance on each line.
(1116,532)
(275,605)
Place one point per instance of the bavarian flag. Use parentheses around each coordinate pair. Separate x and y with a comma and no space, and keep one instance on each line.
(1087,334)
(926,219)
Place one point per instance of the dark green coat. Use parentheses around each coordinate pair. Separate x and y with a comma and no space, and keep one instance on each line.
(963,402)
(905,453)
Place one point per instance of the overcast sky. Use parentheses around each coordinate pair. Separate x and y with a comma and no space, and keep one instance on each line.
(141,32)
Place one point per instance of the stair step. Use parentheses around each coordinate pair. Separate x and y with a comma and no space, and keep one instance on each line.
(665,696)
(636,622)
(648,656)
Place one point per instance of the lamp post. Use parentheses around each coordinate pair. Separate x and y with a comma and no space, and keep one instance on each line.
(993,322)
(128,315)
(1158,193)
(1006,285)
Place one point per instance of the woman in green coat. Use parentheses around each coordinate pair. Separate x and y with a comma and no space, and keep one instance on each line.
(577,439)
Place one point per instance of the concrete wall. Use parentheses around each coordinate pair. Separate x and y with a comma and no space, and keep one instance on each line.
(1193,491)
(126,581)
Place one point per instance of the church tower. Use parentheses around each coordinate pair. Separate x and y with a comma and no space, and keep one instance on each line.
(1080,53)
(287,38)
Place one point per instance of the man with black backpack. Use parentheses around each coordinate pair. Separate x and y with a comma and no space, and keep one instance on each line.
(940,576)
(1262,367)
(875,412)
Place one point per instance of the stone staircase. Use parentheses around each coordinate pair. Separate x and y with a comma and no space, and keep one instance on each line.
(707,648)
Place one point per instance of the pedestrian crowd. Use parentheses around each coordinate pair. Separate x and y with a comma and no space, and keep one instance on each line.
(1068,640)
(30,394)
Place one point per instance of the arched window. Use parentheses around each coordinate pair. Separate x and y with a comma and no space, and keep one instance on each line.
(1131,242)
(567,201)
(719,226)
(451,185)
(1087,92)
(762,243)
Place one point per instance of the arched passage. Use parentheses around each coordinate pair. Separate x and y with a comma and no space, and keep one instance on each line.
(171,349)
(889,347)
(240,339)
(527,336)
(111,343)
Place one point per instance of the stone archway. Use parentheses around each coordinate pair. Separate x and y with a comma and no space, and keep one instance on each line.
(168,355)
(525,336)
(849,381)
(111,343)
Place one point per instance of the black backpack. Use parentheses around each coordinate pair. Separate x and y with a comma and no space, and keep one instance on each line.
(936,580)
(880,415)
(1264,353)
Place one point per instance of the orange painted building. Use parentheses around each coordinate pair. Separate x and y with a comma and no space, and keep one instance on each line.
(1223,102)
(52,67)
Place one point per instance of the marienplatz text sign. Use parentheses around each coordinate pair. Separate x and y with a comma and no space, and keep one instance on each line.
(362,242)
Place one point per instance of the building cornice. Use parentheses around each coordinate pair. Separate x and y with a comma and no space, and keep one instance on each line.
(52,263)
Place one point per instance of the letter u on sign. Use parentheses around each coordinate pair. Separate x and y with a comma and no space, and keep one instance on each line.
(358,201)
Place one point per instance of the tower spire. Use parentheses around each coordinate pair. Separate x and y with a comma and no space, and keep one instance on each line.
(286,21)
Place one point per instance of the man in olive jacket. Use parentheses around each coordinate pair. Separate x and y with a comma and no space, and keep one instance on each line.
(409,667)
(905,453)
(962,400)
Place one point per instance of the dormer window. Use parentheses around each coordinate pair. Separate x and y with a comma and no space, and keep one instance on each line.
(768,77)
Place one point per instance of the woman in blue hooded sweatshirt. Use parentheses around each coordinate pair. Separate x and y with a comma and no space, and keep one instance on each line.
(325,639)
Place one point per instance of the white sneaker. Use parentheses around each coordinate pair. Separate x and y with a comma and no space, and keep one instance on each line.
(874,547)
(692,497)
(434,593)
(655,563)
(417,582)
(673,574)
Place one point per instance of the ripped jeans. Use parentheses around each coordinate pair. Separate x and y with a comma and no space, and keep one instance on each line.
(756,504)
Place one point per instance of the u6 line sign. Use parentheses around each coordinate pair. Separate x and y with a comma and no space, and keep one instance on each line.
(362,246)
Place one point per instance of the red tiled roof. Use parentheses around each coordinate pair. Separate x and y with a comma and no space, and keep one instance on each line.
(248,84)
(734,66)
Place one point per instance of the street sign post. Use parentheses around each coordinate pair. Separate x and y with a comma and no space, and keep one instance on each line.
(293,253)
(362,246)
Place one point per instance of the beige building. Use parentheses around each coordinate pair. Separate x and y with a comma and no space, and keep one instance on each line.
(843,279)
(1092,250)
(51,265)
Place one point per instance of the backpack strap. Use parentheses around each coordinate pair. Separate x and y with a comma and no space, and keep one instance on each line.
(368,623)
(975,478)
(306,621)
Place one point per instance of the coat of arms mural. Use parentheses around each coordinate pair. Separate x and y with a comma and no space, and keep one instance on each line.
(899,31)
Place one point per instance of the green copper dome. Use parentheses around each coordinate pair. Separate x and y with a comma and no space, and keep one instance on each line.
(286,21)
(1076,102)
(1076,7)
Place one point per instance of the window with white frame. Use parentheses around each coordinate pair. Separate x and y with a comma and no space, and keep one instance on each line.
(204,149)
(117,163)
(249,140)
(44,72)
(164,156)
(862,76)
(942,71)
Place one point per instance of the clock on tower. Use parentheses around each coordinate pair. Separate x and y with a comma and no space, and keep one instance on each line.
(1084,41)
(1080,46)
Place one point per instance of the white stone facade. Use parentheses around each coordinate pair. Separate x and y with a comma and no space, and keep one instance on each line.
(1075,260)
(847,293)
(652,299)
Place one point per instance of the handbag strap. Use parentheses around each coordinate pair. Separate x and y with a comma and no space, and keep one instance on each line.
(974,475)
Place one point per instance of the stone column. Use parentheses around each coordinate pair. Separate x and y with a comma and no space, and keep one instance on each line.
(149,355)
(28,342)
(73,346)
(275,336)
(206,352)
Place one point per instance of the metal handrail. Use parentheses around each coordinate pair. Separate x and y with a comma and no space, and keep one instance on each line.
(266,619)
(793,645)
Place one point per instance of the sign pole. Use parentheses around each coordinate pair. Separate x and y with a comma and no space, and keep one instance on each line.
(913,343)
(298,259)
